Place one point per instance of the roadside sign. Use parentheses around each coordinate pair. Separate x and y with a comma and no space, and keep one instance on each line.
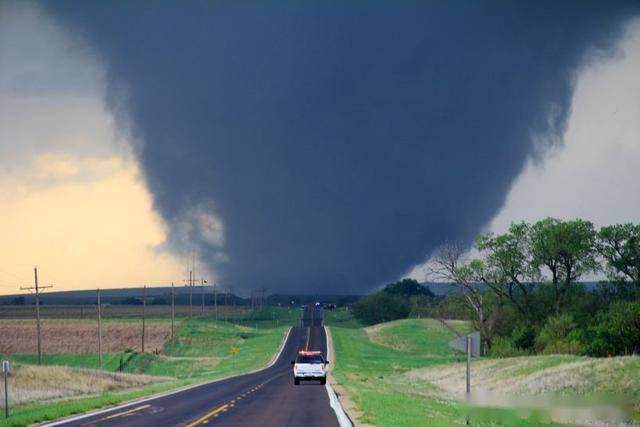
(469,344)
(5,377)
(234,350)
(460,343)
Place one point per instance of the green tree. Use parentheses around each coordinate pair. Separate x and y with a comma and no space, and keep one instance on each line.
(567,249)
(408,288)
(619,245)
(447,264)
(381,307)
(469,276)
(507,265)
(454,306)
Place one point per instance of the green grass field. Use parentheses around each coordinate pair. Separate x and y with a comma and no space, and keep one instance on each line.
(371,364)
(403,373)
(341,317)
(200,351)
(90,361)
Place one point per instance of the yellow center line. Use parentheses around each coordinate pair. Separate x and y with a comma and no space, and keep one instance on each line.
(208,415)
(306,347)
(223,408)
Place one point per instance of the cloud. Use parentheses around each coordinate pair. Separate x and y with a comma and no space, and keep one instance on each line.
(594,174)
(338,142)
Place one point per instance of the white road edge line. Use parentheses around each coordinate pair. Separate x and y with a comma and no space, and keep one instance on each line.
(120,414)
(334,402)
(165,393)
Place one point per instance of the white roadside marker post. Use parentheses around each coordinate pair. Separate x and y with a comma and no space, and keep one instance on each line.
(468,374)
(5,374)
(468,367)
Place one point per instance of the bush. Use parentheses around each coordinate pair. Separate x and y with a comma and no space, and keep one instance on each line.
(381,307)
(504,347)
(566,346)
(616,331)
(524,337)
(556,337)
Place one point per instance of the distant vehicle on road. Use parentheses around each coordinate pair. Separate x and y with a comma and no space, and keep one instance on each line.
(318,304)
(309,366)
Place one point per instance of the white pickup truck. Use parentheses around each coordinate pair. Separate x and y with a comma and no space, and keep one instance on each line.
(308,366)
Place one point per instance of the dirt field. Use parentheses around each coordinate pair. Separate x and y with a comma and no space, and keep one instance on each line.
(114,311)
(44,383)
(80,336)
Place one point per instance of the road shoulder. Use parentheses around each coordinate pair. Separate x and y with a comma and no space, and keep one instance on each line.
(342,397)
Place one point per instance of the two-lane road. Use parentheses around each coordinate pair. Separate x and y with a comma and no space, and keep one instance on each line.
(264,398)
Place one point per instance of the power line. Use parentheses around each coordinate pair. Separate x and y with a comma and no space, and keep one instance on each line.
(21,278)
(14,262)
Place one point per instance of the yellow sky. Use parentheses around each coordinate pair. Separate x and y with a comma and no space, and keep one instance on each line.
(85,222)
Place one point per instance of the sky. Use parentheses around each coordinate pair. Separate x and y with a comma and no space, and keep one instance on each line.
(90,198)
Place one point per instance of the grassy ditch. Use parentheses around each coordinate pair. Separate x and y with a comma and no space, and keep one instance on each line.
(203,348)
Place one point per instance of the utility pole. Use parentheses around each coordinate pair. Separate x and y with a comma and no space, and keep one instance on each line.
(202,283)
(190,294)
(468,366)
(173,310)
(144,309)
(226,306)
(215,299)
(99,330)
(468,395)
(192,282)
(37,289)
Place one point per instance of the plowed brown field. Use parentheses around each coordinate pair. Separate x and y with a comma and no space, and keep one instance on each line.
(80,336)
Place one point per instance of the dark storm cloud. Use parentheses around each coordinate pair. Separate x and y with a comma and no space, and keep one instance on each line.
(338,142)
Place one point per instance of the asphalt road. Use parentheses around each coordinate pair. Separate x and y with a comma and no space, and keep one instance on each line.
(265,398)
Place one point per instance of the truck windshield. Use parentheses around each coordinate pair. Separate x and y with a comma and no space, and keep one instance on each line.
(310,359)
